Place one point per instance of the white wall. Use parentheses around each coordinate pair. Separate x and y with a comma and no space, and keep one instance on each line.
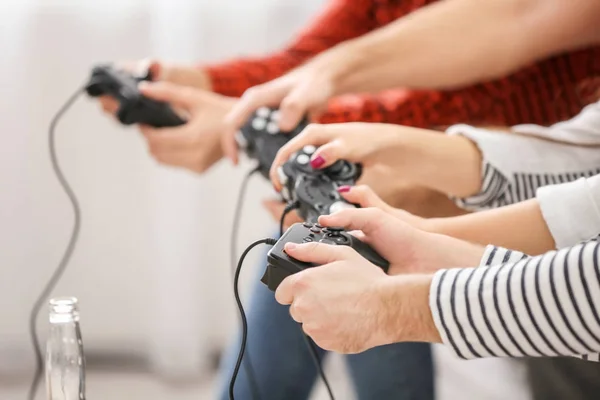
(152,265)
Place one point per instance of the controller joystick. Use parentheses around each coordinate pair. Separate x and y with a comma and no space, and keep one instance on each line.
(134,108)
(261,138)
(280,265)
(315,190)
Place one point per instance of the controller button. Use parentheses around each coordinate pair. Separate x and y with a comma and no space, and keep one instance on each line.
(275,115)
(302,159)
(339,205)
(315,229)
(263,112)
(272,128)
(309,149)
(259,124)
(334,230)
(319,226)
(307,239)
(307,225)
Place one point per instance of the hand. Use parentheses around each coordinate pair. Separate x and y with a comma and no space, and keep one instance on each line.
(364,143)
(196,145)
(338,303)
(349,305)
(408,250)
(302,91)
(178,74)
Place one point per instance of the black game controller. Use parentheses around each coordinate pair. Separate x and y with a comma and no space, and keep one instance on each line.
(315,190)
(134,108)
(280,265)
(261,138)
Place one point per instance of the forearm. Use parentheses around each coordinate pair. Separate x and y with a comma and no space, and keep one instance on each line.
(520,226)
(339,21)
(435,48)
(405,311)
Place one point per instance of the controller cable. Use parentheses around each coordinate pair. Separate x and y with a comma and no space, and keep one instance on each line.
(236,293)
(233,250)
(309,343)
(62,265)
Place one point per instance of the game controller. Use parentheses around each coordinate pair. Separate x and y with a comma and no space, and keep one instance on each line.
(280,265)
(261,138)
(315,190)
(134,108)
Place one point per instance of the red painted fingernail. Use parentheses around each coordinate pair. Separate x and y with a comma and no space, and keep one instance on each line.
(317,162)
(344,189)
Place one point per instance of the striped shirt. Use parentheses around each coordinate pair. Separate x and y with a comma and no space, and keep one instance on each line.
(516,306)
(515,167)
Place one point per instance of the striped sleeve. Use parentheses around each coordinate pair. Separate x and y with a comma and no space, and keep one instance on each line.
(542,306)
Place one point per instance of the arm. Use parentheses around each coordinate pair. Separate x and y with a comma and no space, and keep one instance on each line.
(394,57)
(340,21)
(560,216)
(540,307)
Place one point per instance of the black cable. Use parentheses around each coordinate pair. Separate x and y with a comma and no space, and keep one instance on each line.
(315,357)
(39,366)
(233,249)
(236,293)
(309,343)
(288,209)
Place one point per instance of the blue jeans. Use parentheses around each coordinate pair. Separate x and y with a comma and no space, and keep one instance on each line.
(284,369)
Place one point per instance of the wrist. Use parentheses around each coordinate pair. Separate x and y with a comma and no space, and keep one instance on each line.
(338,64)
(405,312)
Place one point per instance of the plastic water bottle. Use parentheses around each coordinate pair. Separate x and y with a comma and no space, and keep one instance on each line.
(65,362)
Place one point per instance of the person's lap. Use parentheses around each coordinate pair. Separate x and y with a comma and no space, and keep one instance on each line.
(283,366)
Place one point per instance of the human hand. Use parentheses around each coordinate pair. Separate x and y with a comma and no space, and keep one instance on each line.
(408,249)
(160,71)
(336,301)
(303,91)
(349,305)
(276,208)
(357,142)
(195,145)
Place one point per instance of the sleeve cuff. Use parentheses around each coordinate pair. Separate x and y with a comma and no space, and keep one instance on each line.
(494,255)
(571,210)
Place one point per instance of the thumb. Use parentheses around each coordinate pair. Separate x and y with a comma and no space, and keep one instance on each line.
(367,220)
(295,106)
(364,196)
(318,253)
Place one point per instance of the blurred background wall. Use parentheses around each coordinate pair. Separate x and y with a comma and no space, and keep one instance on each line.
(151,268)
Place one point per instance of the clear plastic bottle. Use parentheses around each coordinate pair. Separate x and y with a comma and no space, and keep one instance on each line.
(65,361)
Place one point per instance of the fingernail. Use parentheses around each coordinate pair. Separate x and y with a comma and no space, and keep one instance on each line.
(344,189)
(291,246)
(317,162)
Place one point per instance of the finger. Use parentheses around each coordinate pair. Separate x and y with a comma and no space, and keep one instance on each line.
(367,220)
(295,313)
(364,196)
(319,253)
(180,96)
(109,104)
(230,146)
(286,290)
(314,134)
(331,152)
(295,106)
(269,94)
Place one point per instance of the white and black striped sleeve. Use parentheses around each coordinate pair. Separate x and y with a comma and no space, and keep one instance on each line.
(582,200)
(542,306)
